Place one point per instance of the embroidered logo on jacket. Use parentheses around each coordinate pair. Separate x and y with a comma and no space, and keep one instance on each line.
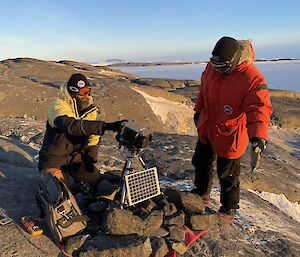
(80,83)
(228,109)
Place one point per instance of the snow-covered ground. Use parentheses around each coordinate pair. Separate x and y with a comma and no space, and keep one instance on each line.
(279,201)
(279,75)
(282,203)
(174,115)
(254,217)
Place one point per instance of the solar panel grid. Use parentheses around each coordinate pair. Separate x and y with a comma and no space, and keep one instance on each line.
(142,185)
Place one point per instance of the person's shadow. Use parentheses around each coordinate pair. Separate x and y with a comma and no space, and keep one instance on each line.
(18,183)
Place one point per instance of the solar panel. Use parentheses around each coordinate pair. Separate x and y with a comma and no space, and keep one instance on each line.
(142,185)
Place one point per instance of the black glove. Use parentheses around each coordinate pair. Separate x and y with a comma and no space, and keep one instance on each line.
(196,119)
(258,145)
(258,142)
(114,126)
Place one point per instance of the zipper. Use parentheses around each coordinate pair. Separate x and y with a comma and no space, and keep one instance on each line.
(88,112)
(237,139)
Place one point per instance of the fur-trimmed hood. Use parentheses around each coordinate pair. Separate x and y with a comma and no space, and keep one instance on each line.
(64,94)
(247,55)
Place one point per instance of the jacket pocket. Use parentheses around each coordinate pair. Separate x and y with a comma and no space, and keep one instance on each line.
(225,136)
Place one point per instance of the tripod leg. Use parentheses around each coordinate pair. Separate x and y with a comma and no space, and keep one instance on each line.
(123,195)
(142,162)
(125,172)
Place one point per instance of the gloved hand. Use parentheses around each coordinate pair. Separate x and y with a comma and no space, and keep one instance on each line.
(258,145)
(196,119)
(114,126)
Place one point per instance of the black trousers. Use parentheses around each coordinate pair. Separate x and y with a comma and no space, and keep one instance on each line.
(228,172)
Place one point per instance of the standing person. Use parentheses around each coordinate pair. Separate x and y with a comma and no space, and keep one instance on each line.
(233,106)
(73,133)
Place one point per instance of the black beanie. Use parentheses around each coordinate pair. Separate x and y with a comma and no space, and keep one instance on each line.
(226,49)
(76,82)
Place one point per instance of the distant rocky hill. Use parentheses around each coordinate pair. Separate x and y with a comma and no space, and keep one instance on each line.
(268,221)
(121,63)
(130,64)
(28,85)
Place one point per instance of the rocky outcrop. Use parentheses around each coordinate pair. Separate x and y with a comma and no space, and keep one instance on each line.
(286,108)
(117,246)
(34,84)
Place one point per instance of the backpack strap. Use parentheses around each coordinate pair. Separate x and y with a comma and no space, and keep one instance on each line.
(79,218)
(66,222)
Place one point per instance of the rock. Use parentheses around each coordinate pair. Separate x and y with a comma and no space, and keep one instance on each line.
(176,232)
(116,246)
(178,247)
(99,206)
(159,247)
(105,187)
(107,190)
(152,223)
(192,202)
(160,232)
(201,222)
(161,201)
(111,177)
(169,209)
(123,222)
(148,205)
(74,243)
(188,201)
(110,197)
(176,219)
(173,196)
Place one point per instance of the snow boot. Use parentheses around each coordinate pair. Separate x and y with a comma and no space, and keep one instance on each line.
(226,215)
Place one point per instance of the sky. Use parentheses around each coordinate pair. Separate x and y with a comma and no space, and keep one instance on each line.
(151,30)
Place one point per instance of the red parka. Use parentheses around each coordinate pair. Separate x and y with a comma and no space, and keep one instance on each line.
(233,108)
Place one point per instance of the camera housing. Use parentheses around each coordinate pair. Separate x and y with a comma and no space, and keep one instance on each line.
(134,136)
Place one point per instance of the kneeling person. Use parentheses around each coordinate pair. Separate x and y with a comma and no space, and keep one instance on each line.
(73,133)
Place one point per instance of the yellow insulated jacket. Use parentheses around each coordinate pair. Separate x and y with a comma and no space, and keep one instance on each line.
(71,137)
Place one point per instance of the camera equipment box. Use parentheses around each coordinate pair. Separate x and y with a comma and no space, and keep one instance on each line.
(134,135)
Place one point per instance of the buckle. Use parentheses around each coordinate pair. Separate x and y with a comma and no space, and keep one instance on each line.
(62,211)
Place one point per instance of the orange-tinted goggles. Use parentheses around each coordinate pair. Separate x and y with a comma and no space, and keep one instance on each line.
(84,91)
(221,67)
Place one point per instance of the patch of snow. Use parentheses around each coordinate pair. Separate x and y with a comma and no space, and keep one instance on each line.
(163,107)
(183,185)
(287,139)
(282,203)
(169,147)
(250,219)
